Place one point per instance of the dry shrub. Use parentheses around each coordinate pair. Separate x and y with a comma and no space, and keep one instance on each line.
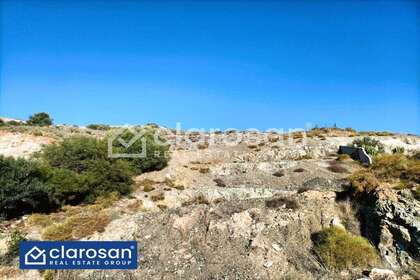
(219,182)
(252,146)
(388,166)
(108,199)
(341,250)
(277,202)
(78,226)
(279,173)
(364,181)
(147,184)
(396,170)
(204,170)
(41,220)
(157,197)
(202,146)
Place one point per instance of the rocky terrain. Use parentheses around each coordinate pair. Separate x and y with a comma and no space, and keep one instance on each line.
(243,211)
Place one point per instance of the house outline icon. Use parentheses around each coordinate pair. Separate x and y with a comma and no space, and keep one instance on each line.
(40,252)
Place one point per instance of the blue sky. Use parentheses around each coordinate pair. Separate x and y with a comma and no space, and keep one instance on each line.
(213,64)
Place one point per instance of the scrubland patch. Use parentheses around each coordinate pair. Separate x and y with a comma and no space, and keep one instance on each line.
(339,249)
(78,226)
(396,170)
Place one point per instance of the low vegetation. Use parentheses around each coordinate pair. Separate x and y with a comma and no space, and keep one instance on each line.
(151,148)
(78,226)
(40,119)
(98,126)
(339,249)
(12,246)
(372,146)
(396,170)
(73,171)
(24,188)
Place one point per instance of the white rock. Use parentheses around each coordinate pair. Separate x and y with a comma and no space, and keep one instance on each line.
(268,264)
(382,274)
(276,247)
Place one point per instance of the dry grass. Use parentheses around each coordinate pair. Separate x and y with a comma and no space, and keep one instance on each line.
(41,220)
(396,170)
(78,226)
(341,250)
(364,181)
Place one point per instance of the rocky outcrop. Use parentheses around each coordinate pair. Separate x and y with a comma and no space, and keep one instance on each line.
(392,221)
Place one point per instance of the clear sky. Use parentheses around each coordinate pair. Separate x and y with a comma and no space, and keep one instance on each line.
(213,64)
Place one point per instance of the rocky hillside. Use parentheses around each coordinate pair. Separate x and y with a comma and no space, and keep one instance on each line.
(251,210)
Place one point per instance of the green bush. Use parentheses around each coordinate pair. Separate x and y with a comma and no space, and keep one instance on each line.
(23,188)
(99,127)
(66,187)
(76,153)
(341,250)
(13,123)
(372,146)
(156,153)
(40,119)
(83,171)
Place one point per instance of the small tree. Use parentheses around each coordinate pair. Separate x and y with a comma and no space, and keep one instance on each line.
(40,119)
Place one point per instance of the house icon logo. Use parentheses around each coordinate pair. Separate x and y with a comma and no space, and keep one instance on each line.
(35,256)
(117,139)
